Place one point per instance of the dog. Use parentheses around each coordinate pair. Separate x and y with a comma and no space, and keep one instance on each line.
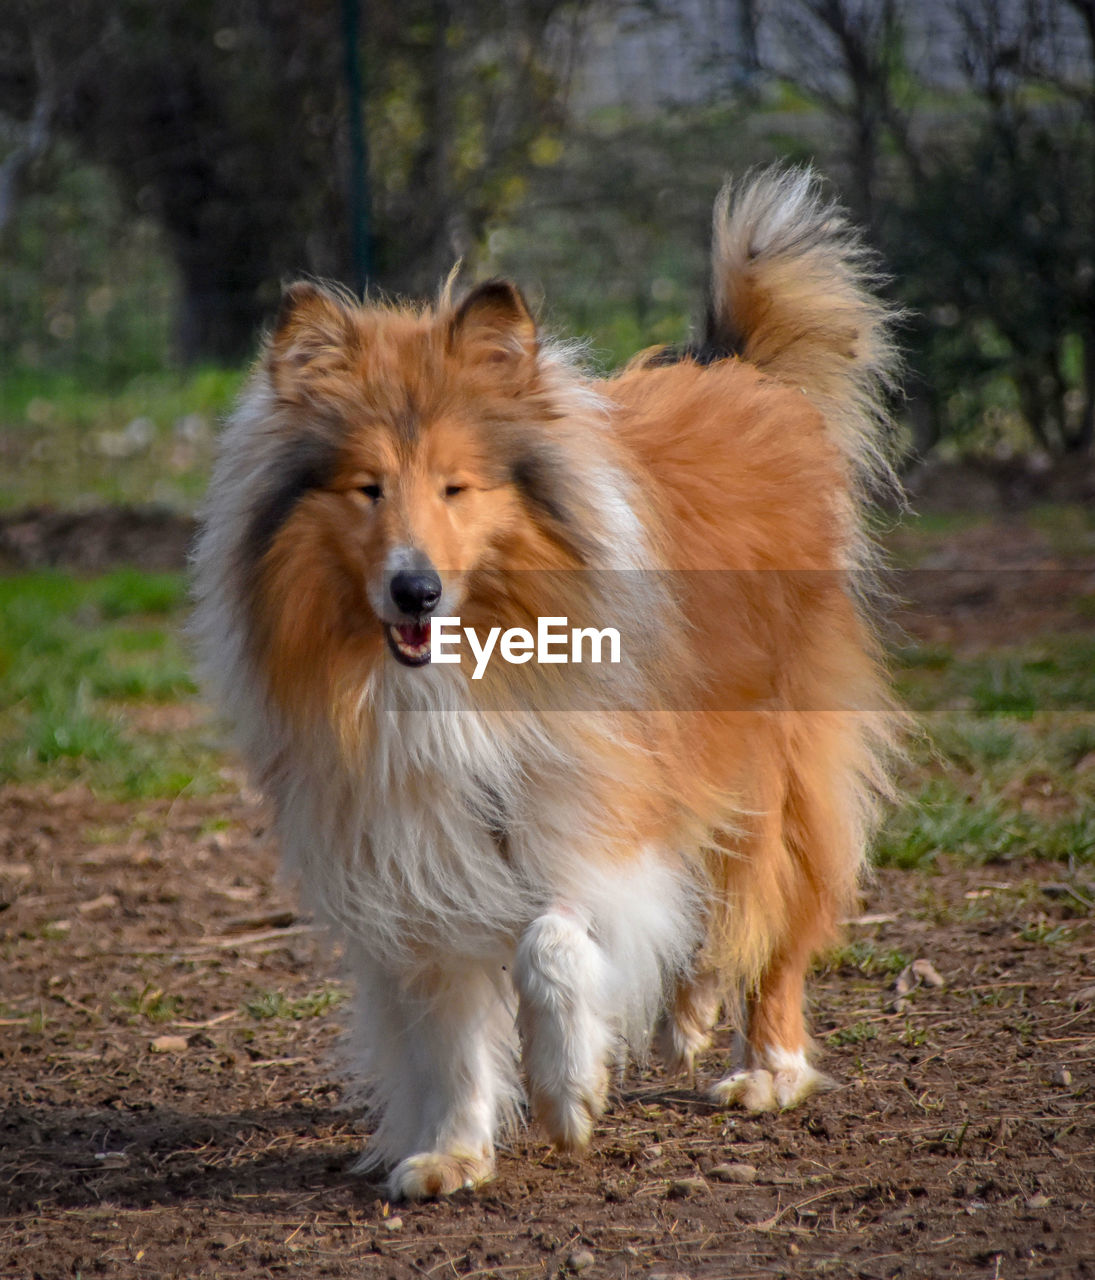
(531,863)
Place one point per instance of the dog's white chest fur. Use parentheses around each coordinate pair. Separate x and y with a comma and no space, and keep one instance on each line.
(422,844)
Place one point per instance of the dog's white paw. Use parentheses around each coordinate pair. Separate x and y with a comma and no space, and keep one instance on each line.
(753,1090)
(784,1080)
(437,1173)
(567,1116)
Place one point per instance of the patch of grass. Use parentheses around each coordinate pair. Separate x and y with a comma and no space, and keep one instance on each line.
(78,658)
(868,958)
(149,439)
(50,931)
(1006,765)
(942,819)
(151,1004)
(1046,932)
(857,1033)
(1008,687)
(1069,527)
(1055,674)
(912,1036)
(277,1005)
(975,744)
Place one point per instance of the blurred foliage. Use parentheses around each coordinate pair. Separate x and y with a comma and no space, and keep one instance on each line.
(611,239)
(151,214)
(971,161)
(224,122)
(84,284)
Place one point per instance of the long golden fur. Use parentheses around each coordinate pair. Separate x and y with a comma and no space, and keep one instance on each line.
(580,851)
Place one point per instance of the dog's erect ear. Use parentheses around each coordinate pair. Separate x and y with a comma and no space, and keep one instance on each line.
(493,326)
(311,335)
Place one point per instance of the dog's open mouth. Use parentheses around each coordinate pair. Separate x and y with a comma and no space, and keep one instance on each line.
(409,642)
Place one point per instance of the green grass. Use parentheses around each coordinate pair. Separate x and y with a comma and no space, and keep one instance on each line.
(147,439)
(857,1033)
(269,1005)
(1006,765)
(1055,673)
(95,688)
(150,1004)
(84,664)
(866,957)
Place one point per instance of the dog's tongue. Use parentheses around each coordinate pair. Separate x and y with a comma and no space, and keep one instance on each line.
(414,634)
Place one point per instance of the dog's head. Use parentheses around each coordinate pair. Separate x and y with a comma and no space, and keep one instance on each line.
(414,456)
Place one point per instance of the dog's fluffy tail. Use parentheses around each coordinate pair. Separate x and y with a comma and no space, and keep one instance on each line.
(793,292)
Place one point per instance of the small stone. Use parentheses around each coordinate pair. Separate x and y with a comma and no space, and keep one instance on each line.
(682,1188)
(393,1224)
(733,1173)
(103,903)
(112,1159)
(1062,1076)
(170,1044)
(579,1260)
(1038,1202)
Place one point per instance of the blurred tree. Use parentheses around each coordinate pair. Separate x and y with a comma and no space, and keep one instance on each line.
(974,168)
(463,95)
(226,120)
(848,55)
(218,118)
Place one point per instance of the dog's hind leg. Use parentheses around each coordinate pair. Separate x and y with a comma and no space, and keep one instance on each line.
(561,979)
(793,884)
(441,1057)
(685,1029)
(776,1072)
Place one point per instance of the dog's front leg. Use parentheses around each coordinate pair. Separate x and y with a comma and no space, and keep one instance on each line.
(561,980)
(439,1055)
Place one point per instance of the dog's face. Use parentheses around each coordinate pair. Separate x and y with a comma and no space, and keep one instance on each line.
(415,453)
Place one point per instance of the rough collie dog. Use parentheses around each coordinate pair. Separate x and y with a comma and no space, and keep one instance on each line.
(531,864)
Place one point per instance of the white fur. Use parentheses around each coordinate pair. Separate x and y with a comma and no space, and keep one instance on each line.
(436,921)
(772,1078)
(438,1053)
(562,980)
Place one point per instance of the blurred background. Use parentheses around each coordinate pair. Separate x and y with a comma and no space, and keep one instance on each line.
(165,166)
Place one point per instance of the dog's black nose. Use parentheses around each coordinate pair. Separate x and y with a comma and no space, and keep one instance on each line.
(416,592)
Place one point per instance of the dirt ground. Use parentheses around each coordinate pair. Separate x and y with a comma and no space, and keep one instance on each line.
(959,1139)
(171,1108)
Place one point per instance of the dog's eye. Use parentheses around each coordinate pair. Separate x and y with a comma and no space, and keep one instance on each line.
(451,490)
(372,491)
